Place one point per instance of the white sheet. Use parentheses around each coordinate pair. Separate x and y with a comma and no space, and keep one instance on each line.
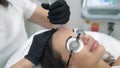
(111,44)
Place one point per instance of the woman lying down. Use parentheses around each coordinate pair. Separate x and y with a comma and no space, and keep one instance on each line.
(64,48)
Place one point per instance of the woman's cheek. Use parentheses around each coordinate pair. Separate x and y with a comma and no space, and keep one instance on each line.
(82,56)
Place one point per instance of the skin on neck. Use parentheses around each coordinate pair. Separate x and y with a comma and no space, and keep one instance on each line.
(101,64)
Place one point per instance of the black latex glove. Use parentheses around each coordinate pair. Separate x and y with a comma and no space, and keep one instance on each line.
(36,52)
(59,12)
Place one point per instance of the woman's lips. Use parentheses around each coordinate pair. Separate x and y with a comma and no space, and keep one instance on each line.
(95,44)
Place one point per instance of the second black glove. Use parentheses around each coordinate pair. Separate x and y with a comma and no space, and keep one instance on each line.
(59,12)
(36,52)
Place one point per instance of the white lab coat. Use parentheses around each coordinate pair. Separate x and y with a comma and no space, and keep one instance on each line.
(110,43)
(12,28)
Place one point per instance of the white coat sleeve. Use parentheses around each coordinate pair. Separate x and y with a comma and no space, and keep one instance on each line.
(28,8)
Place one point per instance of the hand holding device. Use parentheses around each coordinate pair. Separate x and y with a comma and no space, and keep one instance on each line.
(59,12)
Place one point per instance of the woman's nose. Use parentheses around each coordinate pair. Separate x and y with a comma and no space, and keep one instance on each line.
(84,39)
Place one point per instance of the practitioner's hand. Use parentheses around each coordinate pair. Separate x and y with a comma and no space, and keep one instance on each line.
(59,12)
(36,52)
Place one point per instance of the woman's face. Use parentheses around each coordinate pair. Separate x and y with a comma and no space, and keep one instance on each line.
(90,55)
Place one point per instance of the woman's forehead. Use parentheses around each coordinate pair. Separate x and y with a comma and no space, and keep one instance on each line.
(60,38)
(63,32)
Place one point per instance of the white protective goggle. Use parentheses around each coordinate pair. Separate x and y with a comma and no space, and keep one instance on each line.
(75,44)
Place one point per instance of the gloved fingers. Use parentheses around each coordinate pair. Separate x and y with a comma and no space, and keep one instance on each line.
(45,6)
(60,16)
(57,4)
(58,11)
(60,21)
(36,52)
(63,21)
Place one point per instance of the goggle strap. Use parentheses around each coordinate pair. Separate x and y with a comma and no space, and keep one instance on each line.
(78,36)
(70,55)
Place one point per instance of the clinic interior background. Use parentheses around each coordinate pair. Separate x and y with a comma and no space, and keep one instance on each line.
(77,22)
